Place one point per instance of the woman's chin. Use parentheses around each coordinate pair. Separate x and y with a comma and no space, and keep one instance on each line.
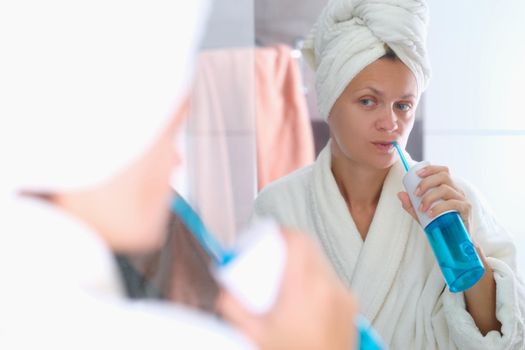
(384,164)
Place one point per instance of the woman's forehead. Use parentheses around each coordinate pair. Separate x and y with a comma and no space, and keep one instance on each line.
(385,77)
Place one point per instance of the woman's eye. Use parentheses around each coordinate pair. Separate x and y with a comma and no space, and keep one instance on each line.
(405,107)
(367,102)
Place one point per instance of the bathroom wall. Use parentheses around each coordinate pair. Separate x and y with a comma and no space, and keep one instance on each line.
(474,115)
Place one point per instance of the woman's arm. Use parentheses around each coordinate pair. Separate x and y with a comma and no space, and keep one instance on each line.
(481,298)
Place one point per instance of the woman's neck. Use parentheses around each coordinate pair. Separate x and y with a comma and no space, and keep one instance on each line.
(359,185)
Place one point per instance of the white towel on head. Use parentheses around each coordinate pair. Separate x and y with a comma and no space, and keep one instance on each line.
(351,34)
(87,86)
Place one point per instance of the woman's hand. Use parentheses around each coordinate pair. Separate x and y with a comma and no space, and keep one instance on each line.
(436,184)
(313,310)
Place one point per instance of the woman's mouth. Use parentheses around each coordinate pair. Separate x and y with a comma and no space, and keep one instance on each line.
(384,147)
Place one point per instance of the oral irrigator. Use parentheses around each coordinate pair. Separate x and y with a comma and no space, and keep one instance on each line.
(447,235)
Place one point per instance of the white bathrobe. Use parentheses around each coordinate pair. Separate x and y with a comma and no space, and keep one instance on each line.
(394,274)
(61,290)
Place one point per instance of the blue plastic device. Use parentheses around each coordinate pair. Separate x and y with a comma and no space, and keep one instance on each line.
(449,239)
(457,257)
(193,222)
(368,337)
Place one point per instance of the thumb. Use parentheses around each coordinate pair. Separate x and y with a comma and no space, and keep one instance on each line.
(407,204)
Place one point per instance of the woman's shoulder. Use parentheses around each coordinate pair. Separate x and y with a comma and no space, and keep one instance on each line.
(473,194)
(285,195)
(485,223)
(286,199)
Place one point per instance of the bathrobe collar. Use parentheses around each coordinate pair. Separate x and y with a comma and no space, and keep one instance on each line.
(368,267)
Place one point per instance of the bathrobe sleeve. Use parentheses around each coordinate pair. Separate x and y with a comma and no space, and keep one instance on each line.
(500,251)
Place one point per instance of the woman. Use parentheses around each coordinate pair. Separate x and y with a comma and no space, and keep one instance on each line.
(371,69)
(92,100)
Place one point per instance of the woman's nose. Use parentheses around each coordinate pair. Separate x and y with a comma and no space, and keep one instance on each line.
(387,121)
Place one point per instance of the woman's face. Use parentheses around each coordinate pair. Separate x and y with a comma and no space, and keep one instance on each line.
(142,193)
(131,210)
(376,108)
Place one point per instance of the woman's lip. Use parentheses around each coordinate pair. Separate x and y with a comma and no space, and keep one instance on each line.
(385,142)
(384,146)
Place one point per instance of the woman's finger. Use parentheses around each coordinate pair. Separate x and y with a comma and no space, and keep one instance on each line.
(441,192)
(462,207)
(432,169)
(433,181)
(433,176)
